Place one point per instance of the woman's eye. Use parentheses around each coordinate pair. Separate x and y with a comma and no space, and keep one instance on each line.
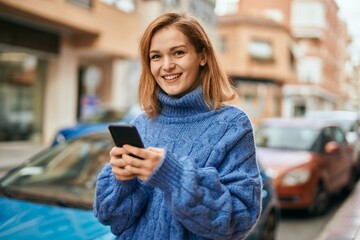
(154,56)
(179,53)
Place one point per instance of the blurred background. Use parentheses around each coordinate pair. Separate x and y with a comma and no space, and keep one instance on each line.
(70,67)
(62,60)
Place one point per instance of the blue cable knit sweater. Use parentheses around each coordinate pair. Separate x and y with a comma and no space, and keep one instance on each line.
(207,186)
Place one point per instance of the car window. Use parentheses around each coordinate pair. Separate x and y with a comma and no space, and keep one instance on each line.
(328,135)
(293,138)
(339,136)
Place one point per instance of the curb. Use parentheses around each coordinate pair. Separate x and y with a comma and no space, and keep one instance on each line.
(345,224)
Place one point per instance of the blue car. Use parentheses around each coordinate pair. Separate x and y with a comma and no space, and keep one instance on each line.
(97,122)
(50,196)
(267,225)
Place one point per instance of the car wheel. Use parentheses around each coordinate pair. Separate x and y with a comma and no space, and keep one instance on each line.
(269,228)
(321,201)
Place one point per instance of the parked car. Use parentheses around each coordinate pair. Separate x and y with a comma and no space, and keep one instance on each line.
(268,223)
(97,122)
(350,122)
(308,159)
(50,196)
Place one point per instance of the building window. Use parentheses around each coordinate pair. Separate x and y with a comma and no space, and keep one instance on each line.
(260,50)
(224,7)
(123,5)
(310,70)
(299,110)
(308,14)
(292,59)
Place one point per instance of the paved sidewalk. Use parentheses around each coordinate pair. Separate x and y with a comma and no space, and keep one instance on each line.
(14,153)
(345,224)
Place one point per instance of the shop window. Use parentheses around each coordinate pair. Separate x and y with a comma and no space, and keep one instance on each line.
(22,79)
(261,51)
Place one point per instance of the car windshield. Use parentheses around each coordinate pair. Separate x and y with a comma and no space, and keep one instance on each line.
(292,138)
(63,175)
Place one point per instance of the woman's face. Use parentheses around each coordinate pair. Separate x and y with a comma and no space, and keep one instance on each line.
(174,63)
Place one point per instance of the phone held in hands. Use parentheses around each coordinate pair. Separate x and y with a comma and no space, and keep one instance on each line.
(125,134)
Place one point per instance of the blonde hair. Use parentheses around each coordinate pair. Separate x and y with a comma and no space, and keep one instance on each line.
(216,85)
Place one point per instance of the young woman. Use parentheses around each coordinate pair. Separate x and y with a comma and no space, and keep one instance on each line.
(198,177)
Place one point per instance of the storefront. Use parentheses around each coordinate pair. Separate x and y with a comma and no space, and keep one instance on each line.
(24,55)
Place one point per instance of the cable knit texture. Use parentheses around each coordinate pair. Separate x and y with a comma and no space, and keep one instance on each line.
(207,186)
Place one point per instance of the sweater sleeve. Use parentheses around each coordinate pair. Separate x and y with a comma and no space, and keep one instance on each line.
(118,203)
(221,200)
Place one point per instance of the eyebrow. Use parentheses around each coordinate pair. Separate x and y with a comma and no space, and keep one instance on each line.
(171,49)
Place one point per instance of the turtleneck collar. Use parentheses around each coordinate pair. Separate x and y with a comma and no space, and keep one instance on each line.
(185,106)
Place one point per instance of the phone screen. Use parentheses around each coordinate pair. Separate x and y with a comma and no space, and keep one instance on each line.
(125,134)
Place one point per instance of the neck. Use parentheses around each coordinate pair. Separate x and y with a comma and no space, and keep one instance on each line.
(184,106)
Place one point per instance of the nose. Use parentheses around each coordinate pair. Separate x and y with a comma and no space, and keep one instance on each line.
(168,64)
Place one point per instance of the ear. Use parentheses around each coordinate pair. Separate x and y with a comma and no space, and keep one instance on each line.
(203,58)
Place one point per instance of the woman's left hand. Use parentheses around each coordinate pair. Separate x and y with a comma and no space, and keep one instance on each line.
(144,167)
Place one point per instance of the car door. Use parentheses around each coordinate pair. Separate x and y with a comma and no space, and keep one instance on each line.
(345,160)
(337,163)
(330,161)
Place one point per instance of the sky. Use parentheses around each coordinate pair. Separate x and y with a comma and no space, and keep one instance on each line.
(350,12)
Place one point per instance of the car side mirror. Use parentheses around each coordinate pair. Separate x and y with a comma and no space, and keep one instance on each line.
(332,147)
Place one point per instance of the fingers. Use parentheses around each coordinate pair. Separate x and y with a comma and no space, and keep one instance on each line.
(122,173)
(117,152)
(156,150)
(118,165)
(125,166)
(138,152)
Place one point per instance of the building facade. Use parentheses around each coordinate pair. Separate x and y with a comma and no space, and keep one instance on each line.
(295,49)
(46,48)
(321,54)
(257,53)
(61,59)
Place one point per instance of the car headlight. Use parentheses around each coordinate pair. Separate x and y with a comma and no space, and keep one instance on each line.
(296,177)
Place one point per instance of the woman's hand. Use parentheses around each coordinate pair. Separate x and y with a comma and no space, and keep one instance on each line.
(125,166)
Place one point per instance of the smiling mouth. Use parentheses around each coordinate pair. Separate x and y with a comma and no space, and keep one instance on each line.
(172,77)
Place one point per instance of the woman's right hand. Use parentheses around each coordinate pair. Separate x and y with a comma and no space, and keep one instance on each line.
(118,164)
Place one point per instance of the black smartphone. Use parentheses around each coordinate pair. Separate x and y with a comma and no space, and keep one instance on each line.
(125,134)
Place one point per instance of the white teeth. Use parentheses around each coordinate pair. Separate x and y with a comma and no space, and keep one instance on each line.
(171,77)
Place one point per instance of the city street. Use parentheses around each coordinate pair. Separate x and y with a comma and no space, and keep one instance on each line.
(294,225)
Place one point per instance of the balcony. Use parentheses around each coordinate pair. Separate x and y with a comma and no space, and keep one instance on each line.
(313,33)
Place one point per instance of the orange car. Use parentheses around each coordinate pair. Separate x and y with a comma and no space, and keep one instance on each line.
(309,161)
